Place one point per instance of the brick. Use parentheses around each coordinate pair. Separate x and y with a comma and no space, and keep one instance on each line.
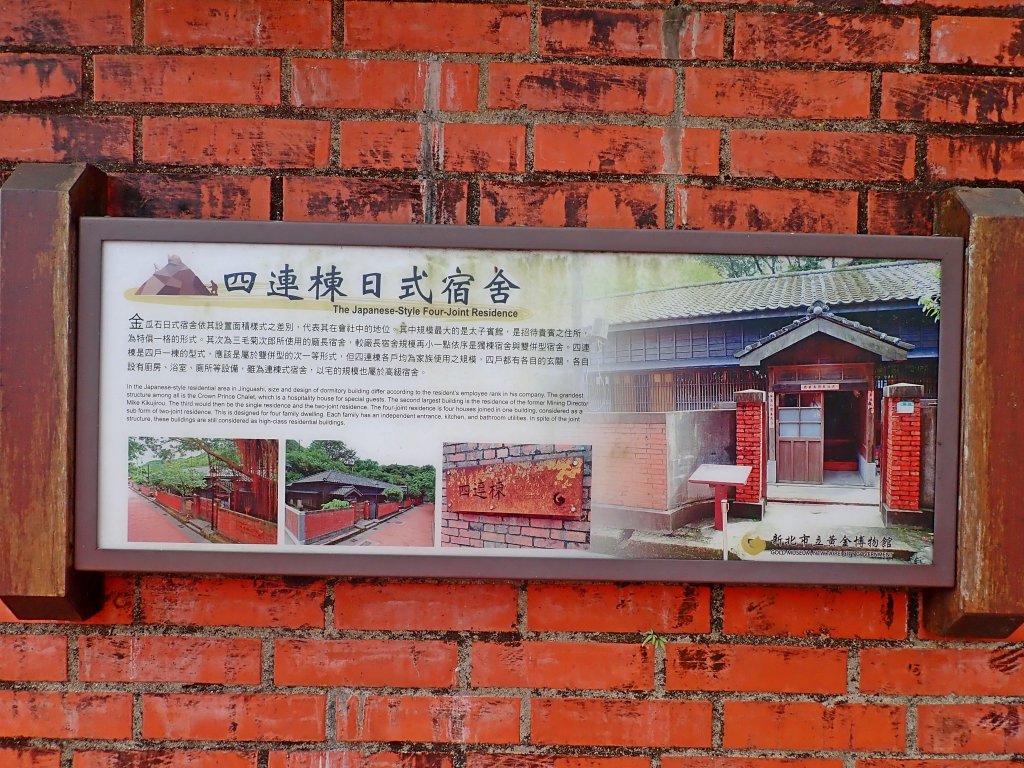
(899,213)
(842,39)
(345,759)
(609,608)
(234,717)
(380,145)
(33,658)
(46,714)
(626,149)
(633,34)
(579,204)
(437,27)
(942,671)
(568,88)
(460,85)
(259,142)
(777,93)
(358,84)
(967,4)
(255,602)
(169,659)
(426,606)
(66,22)
(779,669)
(188,79)
(702,37)
(29,758)
(234,24)
(437,719)
(597,666)
(64,138)
(38,77)
(968,728)
(993,42)
(366,663)
(823,155)
(932,762)
(621,723)
(330,198)
(492,760)
(952,98)
(747,762)
(808,725)
(452,201)
(484,148)
(868,614)
(165,759)
(188,197)
(971,158)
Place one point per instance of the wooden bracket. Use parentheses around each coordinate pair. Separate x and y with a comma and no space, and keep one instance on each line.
(40,205)
(988,599)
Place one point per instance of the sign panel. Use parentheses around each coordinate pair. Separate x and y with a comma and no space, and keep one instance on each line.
(455,401)
(547,488)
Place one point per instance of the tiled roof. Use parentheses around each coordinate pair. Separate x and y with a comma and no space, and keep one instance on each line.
(892,281)
(825,315)
(342,478)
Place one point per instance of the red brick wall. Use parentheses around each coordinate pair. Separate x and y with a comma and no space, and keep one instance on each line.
(901,476)
(788,116)
(634,458)
(751,426)
(465,529)
(244,529)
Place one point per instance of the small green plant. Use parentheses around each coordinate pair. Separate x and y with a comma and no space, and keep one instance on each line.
(653,638)
(336,504)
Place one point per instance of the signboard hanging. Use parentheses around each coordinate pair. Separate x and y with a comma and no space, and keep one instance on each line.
(291,398)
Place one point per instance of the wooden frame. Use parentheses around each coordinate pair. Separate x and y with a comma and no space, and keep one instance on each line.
(91,555)
(39,210)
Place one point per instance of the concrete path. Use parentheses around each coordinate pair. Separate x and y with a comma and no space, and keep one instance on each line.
(823,494)
(147,521)
(412,528)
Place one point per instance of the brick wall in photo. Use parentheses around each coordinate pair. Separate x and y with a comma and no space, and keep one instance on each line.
(829,117)
(464,529)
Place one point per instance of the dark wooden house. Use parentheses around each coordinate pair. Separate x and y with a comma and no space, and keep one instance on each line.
(822,343)
(314,491)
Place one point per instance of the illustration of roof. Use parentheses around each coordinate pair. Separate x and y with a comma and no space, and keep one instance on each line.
(820,320)
(333,476)
(891,281)
(173,279)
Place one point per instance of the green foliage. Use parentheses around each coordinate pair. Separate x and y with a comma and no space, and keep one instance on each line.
(393,494)
(931,307)
(653,638)
(174,477)
(337,504)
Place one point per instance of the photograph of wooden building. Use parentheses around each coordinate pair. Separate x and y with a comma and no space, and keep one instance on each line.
(333,496)
(314,491)
(822,343)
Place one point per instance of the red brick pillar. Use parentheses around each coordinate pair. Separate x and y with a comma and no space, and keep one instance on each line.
(751,444)
(901,447)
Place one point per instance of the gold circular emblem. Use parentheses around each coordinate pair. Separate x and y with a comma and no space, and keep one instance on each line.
(752,544)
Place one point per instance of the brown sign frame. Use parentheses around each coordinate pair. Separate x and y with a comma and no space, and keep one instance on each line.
(949,252)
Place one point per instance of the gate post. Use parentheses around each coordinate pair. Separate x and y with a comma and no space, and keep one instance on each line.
(901,455)
(751,451)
